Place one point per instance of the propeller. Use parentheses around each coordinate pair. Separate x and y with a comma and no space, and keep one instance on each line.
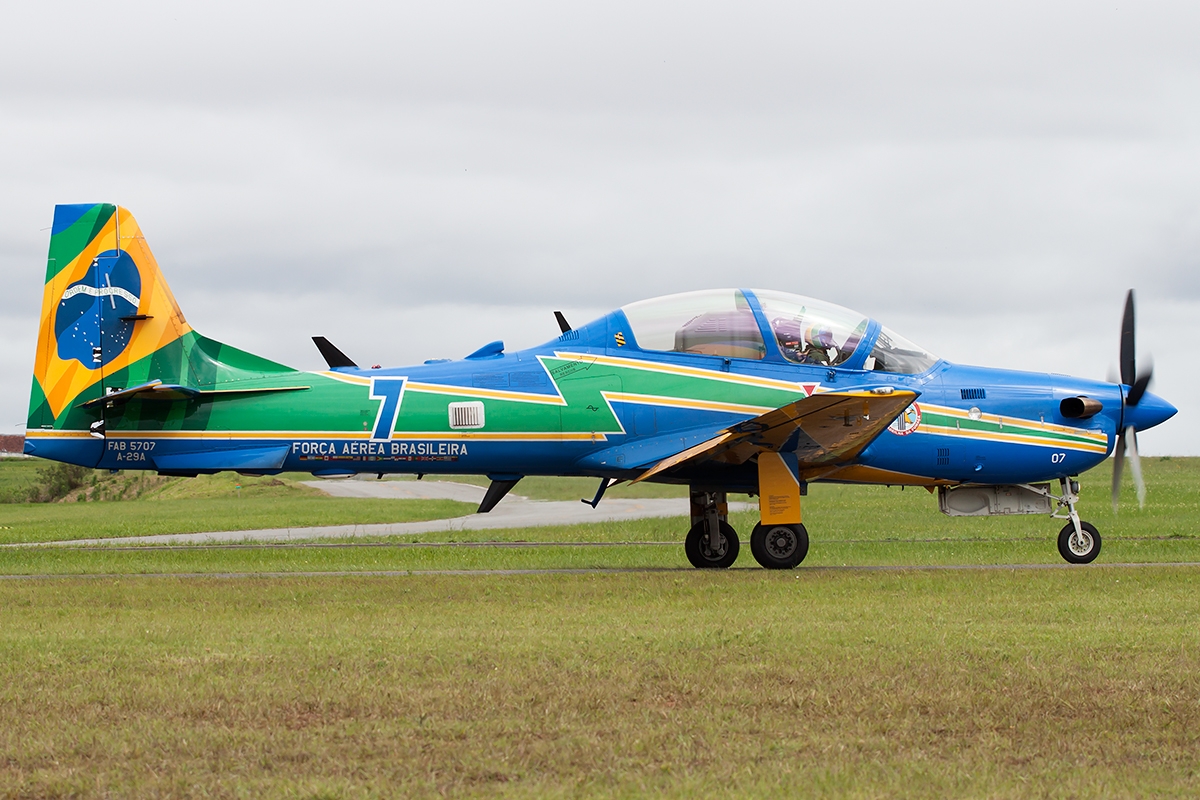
(1137,383)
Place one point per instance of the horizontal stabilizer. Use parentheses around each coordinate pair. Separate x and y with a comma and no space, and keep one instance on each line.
(157,390)
(154,390)
(333,357)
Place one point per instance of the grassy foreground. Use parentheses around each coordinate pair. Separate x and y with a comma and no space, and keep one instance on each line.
(819,682)
(1063,683)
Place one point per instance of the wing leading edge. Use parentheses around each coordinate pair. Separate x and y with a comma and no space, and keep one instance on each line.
(822,430)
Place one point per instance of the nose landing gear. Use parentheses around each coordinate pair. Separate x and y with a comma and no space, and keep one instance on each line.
(1078,541)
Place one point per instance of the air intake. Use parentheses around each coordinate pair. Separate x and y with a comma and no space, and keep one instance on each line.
(466,416)
(973,394)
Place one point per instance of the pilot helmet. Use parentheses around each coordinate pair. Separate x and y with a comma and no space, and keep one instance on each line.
(820,337)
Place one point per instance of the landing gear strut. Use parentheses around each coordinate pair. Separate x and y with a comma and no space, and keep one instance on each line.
(1078,541)
(711,543)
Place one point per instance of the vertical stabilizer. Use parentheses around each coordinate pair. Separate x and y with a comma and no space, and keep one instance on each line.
(105,307)
(109,323)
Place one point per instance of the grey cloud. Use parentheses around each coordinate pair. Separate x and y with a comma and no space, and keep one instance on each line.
(420,179)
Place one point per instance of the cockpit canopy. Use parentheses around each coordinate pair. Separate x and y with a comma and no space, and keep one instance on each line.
(732,322)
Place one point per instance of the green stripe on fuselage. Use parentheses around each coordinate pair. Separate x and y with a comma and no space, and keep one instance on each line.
(1018,427)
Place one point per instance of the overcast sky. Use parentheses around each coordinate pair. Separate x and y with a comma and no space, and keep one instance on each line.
(414,180)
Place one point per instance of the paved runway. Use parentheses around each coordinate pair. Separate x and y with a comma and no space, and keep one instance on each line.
(513,511)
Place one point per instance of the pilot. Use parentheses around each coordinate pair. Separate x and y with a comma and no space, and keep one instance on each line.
(803,344)
(818,344)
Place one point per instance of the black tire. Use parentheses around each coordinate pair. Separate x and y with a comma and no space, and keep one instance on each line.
(698,553)
(1083,552)
(779,546)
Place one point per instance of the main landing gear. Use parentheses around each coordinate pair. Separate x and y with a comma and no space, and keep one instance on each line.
(712,542)
(779,546)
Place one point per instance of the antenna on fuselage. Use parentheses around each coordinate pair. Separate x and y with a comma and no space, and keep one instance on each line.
(333,357)
(563,325)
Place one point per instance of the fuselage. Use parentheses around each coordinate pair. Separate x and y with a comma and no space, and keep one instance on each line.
(595,402)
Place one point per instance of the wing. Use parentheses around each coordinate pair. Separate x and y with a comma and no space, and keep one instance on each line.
(824,429)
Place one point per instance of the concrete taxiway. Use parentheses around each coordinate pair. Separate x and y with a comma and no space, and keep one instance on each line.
(513,511)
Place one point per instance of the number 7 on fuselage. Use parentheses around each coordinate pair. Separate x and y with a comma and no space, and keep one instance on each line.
(731,390)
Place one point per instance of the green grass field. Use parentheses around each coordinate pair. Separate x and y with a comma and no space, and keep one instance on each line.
(1069,683)
(836,679)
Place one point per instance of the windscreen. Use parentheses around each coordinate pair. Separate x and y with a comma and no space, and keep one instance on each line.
(811,331)
(894,353)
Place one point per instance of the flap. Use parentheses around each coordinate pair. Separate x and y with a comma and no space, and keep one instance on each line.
(824,429)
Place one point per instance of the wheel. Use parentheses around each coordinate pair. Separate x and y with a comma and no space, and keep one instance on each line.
(1079,549)
(779,546)
(702,556)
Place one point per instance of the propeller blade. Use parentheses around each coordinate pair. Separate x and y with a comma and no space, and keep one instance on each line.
(1139,386)
(1128,367)
(1118,465)
(1135,467)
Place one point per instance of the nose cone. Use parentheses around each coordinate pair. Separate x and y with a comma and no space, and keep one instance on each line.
(1150,411)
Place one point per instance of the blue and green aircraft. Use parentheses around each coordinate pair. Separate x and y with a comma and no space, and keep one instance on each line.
(730,390)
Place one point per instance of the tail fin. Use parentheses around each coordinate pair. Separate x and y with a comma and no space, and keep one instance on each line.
(109,322)
(105,310)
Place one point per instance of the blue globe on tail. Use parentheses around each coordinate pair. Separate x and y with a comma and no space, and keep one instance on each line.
(88,325)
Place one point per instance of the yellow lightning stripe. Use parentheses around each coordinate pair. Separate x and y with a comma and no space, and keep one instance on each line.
(674,369)
(457,391)
(354,380)
(682,402)
(493,394)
